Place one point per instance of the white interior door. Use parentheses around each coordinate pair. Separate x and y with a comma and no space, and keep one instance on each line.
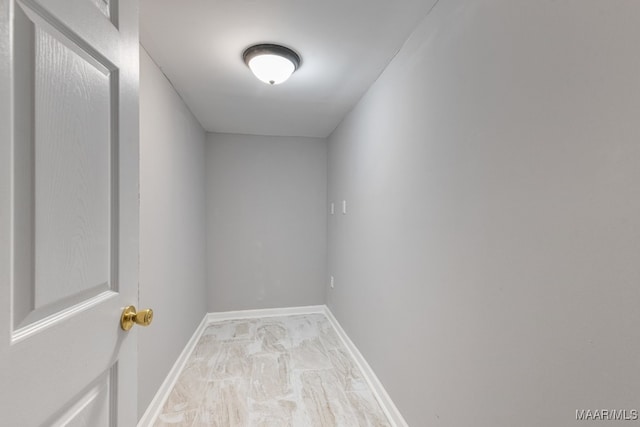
(68,211)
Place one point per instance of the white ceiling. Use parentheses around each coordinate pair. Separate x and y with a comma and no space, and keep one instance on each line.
(344,45)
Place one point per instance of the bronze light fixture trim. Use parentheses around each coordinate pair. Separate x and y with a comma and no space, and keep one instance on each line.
(271,63)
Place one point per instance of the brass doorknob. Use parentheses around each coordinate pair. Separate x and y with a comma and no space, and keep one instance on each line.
(130,316)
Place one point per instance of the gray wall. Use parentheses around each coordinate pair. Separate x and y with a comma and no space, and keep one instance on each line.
(266,204)
(172,223)
(488,266)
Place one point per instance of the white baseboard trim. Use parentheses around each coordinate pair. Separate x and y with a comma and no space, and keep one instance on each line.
(381,395)
(266,312)
(391,411)
(154,408)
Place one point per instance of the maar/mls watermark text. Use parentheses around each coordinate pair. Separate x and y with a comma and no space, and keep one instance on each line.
(606,414)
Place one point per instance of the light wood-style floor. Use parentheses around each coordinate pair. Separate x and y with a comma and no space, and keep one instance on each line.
(273,371)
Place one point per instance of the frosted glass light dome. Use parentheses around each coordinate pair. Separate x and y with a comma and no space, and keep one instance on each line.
(272,64)
(271,69)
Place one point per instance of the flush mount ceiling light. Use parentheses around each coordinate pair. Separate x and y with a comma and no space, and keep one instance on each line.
(271,63)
